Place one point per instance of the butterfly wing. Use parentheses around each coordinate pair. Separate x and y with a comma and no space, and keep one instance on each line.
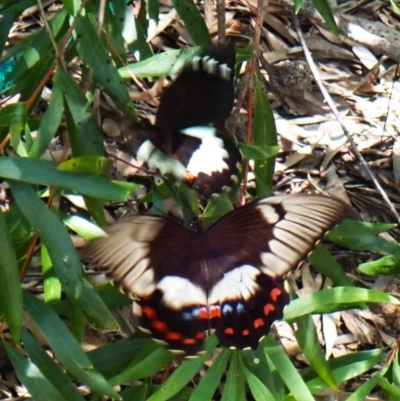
(203,92)
(153,259)
(260,243)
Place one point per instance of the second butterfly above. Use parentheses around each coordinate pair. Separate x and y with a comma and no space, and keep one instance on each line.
(183,144)
(227,278)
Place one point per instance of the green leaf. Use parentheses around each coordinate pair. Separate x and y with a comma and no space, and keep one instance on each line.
(49,369)
(234,388)
(64,345)
(253,152)
(264,136)
(112,359)
(327,301)
(41,172)
(362,392)
(346,368)
(83,227)
(13,112)
(149,360)
(63,255)
(218,206)
(83,130)
(50,121)
(307,338)
(353,228)
(193,20)
(183,374)
(325,10)
(61,250)
(88,164)
(387,266)
(94,53)
(259,391)
(210,382)
(326,264)
(51,283)
(257,363)
(10,285)
(389,388)
(286,370)
(164,64)
(31,377)
(396,8)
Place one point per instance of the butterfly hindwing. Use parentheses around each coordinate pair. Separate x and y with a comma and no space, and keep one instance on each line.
(202,94)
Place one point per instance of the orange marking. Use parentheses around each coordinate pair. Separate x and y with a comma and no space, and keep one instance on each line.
(245,332)
(200,335)
(160,326)
(268,308)
(189,341)
(258,323)
(173,336)
(228,331)
(215,311)
(203,314)
(275,294)
(190,178)
(149,312)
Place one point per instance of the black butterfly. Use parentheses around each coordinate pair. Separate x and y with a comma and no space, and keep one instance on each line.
(202,94)
(227,278)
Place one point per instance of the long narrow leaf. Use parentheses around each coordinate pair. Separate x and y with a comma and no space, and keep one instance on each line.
(10,285)
(64,345)
(51,370)
(31,377)
(287,371)
(41,172)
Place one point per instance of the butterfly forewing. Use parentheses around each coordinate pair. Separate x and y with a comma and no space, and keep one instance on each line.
(275,234)
(227,278)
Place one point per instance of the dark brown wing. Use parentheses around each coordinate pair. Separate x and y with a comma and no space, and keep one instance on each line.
(259,244)
(275,234)
(140,251)
(152,258)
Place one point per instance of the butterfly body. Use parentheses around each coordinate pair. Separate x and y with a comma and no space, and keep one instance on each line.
(227,278)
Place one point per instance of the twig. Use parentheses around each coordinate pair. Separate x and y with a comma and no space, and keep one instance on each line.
(221,21)
(335,111)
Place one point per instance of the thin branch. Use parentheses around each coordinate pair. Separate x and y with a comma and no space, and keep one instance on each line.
(221,21)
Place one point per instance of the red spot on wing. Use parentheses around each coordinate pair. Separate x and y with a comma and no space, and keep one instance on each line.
(245,332)
(172,335)
(268,308)
(201,335)
(203,314)
(276,293)
(214,311)
(149,312)
(228,331)
(189,341)
(159,326)
(258,323)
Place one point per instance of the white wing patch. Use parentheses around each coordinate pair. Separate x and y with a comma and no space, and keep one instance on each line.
(156,159)
(239,283)
(210,156)
(179,292)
